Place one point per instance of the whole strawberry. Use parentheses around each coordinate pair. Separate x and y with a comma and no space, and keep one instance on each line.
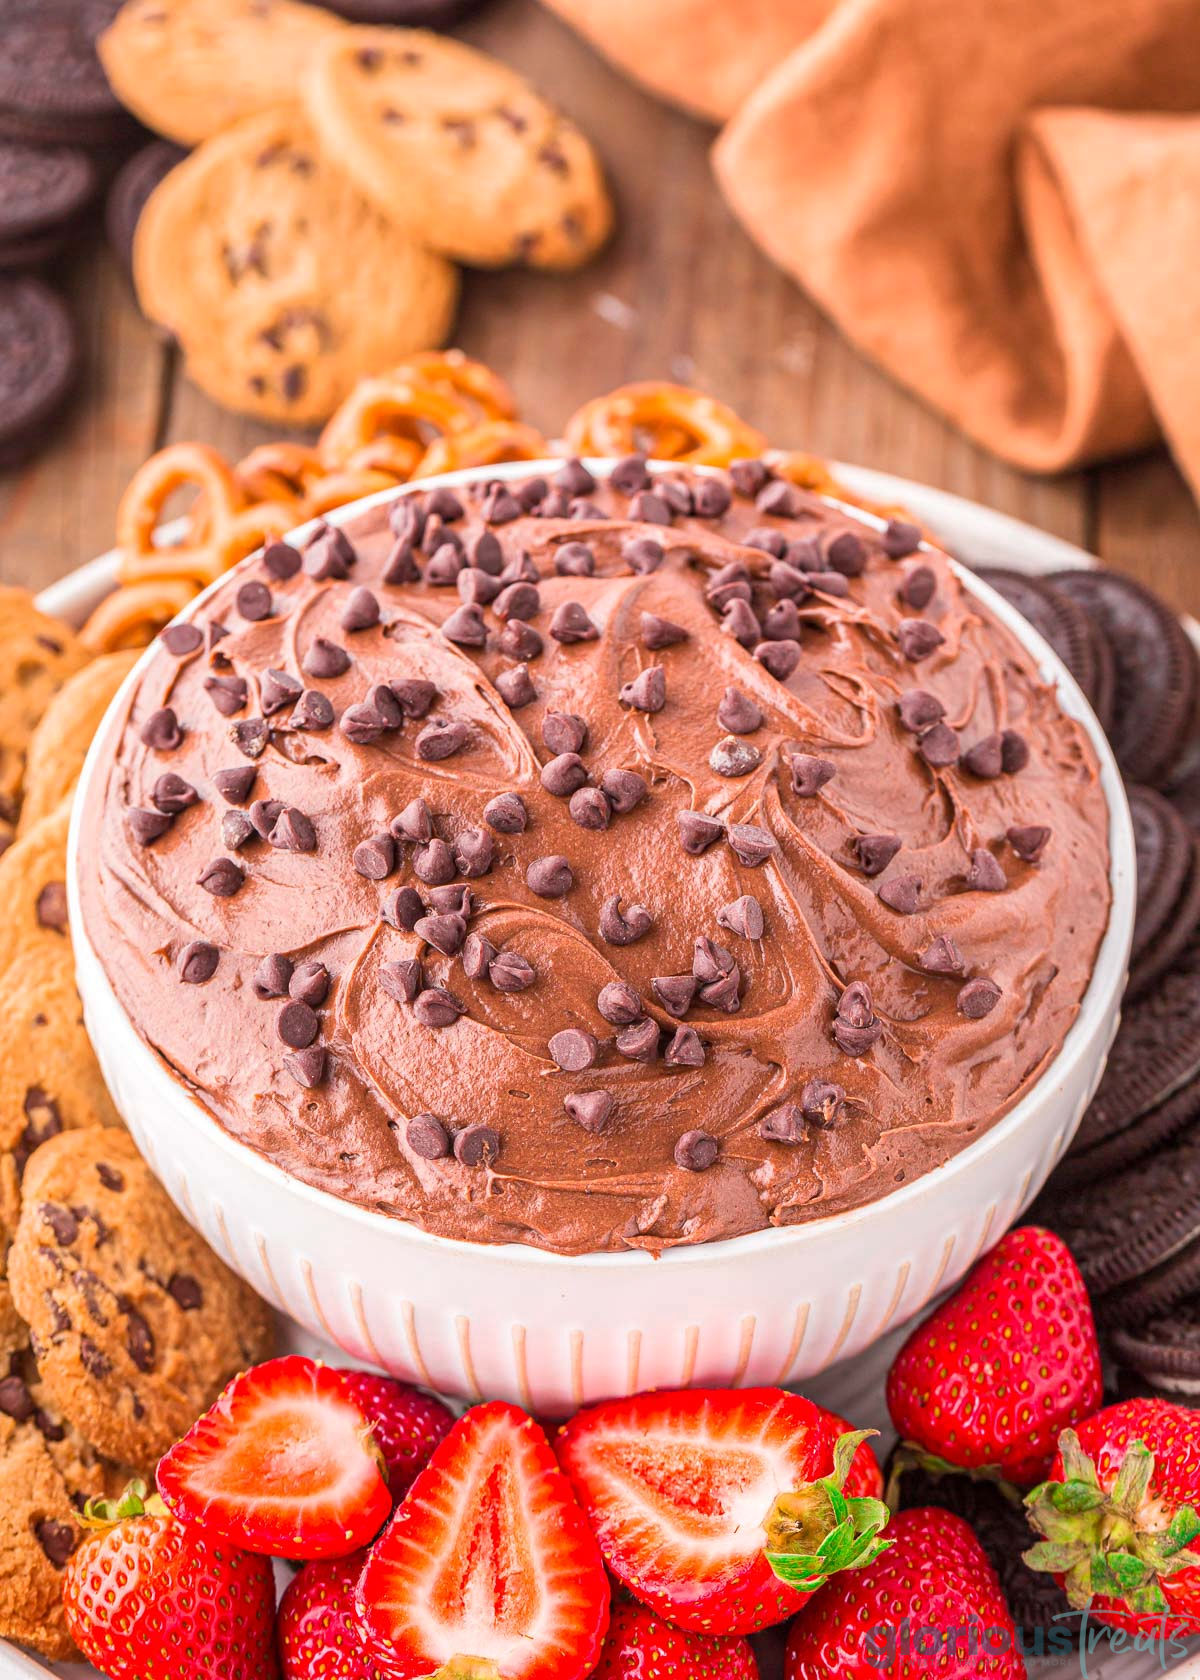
(930,1604)
(151,1598)
(319,1636)
(988,1382)
(641,1646)
(407,1424)
(1119,1513)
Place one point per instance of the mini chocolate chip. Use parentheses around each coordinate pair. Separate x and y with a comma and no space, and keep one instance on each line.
(550,877)
(918,587)
(571,623)
(856,1041)
(403,908)
(642,555)
(589,808)
(788,582)
(733,572)
(414,696)
(901,538)
(902,894)
(711,498)
(624,789)
(623,928)
(822,1102)
(847,553)
(649,508)
(236,830)
(696,1151)
(499,508)
(477,1145)
(264,814)
(328,554)
(685,1049)
(414,823)
(938,746)
(253,601)
(442,738)
(639,1041)
(520,569)
(629,475)
(443,503)
(1028,840)
(731,757)
(313,711)
(185,1291)
(473,852)
(942,957)
(511,972)
(661,632)
(15,1399)
(273,976)
(281,560)
(779,658)
(51,907)
(767,539)
(740,621)
(215,633)
(784,1124)
(325,659)
(465,627)
(710,961)
(444,566)
(477,588)
(162,730)
(434,863)
(748,477)
(297,1024)
(506,813)
(574,478)
(251,737)
(361,611)
(619,1003)
(677,494)
(978,998)
(698,831)
(310,983)
(777,499)
(564,732)
(234,785)
(293,832)
(477,955)
(563,774)
(444,933)
(918,638)
(830,583)
(362,724)
(738,713)
(172,794)
(198,962)
(402,980)
(57,1540)
(752,845)
(519,640)
(182,639)
(518,601)
(984,873)
(591,1109)
(919,709)
(278,689)
(139,1341)
(375,858)
(222,877)
(985,758)
(575,559)
(724,992)
(573,1050)
(875,851)
(743,917)
(674,992)
(426,1136)
(1014,752)
(810,774)
(307,1067)
(62,1222)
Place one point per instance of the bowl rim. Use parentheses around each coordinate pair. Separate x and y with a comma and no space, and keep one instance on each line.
(1108,972)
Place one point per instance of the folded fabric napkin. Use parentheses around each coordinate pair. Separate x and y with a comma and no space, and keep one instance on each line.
(998,200)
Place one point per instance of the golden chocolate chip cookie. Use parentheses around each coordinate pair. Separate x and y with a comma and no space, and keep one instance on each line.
(189,68)
(283,284)
(135,1323)
(40,653)
(61,740)
(50,1080)
(457,149)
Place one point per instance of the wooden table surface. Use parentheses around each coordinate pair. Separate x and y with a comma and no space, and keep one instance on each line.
(681,293)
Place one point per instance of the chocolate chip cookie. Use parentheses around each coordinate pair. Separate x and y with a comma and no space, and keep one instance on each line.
(135,1323)
(458,149)
(281,282)
(189,68)
(61,740)
(40,653)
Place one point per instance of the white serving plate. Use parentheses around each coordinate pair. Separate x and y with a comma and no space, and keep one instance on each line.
(854,1387)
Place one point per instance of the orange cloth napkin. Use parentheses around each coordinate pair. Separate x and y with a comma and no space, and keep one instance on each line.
(998,200)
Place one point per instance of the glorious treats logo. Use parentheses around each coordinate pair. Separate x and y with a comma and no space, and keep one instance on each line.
(1073,1637)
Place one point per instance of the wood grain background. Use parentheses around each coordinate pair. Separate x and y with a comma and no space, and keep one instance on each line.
(681,293)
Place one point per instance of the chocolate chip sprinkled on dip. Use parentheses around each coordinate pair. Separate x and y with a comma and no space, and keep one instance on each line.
(657,895)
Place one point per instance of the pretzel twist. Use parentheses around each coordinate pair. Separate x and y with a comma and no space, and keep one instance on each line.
(483,446)
(134,614)
(392,405)
(670,422)
(174,468)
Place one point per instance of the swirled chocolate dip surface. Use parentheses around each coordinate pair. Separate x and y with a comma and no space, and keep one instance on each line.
(599,865)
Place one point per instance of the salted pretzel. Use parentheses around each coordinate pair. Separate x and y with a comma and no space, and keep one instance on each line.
(392,405)
(275,472)
(178,466)
(134,614)
(671,422)
(483,446)
(452,370)
(399,457)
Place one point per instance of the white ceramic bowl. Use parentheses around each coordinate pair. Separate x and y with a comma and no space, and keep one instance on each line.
(551,1331)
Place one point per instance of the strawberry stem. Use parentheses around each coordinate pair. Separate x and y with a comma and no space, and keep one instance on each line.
(1113,1543)
(910,1455)
(468,1668)
(816,1531)
(136,1501)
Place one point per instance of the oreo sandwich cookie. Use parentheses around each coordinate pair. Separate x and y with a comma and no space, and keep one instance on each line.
(1127,1384)
(1148,1132)
(1157,670)
(52,88)
(1166,1351)
(43,192)
(1181,924)
(1184,789)
(1058,619)
(1164,847)
(131,187)
(1002,1529)
(39,360)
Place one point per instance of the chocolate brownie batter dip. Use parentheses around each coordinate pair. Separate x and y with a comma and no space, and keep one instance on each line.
(598,865)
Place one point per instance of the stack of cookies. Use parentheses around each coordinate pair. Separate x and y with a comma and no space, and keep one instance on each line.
(118,1325)
(339,175)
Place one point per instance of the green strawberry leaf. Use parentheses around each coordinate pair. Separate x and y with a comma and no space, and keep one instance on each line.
(1077,1466)
(816,1531)
(1133,1479)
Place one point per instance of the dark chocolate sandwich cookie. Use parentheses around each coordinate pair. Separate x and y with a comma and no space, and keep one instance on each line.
(1184,789)
(43,190)
(1157,670)
(52,89)
(1056,617)
(38,364)
(1163,843)
(1181,923)
(1148,1132)
(1166,1350)
(132,185)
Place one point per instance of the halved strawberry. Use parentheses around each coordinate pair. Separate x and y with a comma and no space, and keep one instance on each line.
(283,1463)
(724,1509)
(488,1566)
